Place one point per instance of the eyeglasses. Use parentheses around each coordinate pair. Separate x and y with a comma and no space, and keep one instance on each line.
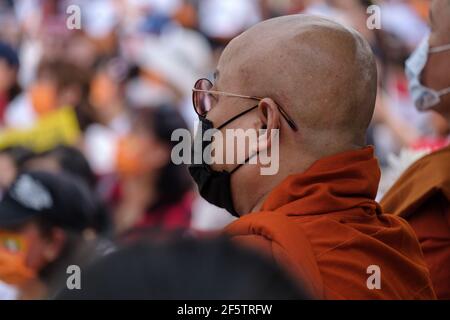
(202,99)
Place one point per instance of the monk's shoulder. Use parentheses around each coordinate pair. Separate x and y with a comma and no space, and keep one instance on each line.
(275,234)
(284,241)
(254,242)
(422,180)
(428,166)
(268,226)
(439,160)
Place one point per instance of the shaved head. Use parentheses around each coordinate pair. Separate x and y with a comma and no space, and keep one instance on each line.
(322,73)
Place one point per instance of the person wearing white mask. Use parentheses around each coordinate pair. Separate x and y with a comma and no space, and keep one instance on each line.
(425,97)
(422,193)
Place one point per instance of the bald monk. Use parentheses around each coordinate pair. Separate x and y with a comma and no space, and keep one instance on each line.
(422,193)
(315,82)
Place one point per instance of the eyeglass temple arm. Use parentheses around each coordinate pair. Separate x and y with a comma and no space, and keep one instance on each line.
(288,119)
(290,122)
(220,93)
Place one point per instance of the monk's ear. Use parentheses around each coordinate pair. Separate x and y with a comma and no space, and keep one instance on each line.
(269,116)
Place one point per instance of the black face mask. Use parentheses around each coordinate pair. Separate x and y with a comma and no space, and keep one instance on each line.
(214,186)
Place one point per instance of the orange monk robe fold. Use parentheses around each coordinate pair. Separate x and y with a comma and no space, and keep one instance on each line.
(422,196)
(325,227)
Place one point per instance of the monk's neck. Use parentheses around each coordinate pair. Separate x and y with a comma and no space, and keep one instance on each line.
(259,203)
(253,198)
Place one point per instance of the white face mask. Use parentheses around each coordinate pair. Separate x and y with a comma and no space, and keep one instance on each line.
(424,97)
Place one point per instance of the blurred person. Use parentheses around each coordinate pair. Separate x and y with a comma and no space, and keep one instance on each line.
(108,99)
(16,279)
(169,64)
(68,159)
(422,194)
(405,123)
(9,28)
(396,125)
(400,135)
(107,93)
(48,216)
(58,83)
(63,158)
(152,191)
(9,87)
(185,269)
(81,50)
(12,160)
(44,34)
(316,215)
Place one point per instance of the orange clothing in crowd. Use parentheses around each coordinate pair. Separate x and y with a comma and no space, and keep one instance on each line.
(326,228)
(422,196)
(13,269)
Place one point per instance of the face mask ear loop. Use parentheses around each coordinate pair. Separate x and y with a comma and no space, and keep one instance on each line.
(236,117)
(439,49)
(230,121)
(245,162)
(444,92)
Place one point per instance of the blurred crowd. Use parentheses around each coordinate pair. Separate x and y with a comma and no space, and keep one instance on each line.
(89,112)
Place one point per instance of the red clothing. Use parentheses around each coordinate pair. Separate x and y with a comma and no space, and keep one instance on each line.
(169,216)
(166,216)
(326,228)
(3,104)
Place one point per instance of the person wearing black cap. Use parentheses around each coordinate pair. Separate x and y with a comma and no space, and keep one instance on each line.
(69,159)
(9,66)
(50,214)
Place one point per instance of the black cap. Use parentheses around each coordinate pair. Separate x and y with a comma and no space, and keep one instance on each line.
(61,198)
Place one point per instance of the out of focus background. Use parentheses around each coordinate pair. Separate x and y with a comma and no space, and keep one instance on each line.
(101,101)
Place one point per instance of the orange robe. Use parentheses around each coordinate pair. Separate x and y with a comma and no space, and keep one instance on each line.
(422,196)
(325,227)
